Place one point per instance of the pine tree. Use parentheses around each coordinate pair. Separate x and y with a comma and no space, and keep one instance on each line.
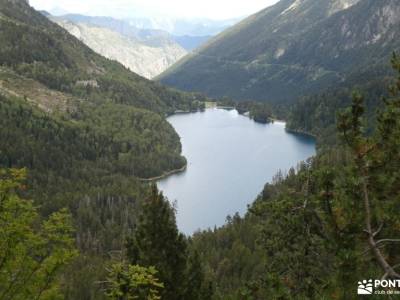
(158,243)
(195,287)
(125,282)
(376,166)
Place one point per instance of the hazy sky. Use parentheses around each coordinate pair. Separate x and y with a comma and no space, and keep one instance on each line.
(213,9)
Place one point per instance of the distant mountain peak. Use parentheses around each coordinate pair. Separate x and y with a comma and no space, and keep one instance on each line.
(58,11)
(146,53)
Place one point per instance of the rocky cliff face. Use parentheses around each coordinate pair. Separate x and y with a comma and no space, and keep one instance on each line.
(146,59)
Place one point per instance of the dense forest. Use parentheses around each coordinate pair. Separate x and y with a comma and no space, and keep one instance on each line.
(259,112)
(311,234)
(316,114)
(79,133)
(314,232)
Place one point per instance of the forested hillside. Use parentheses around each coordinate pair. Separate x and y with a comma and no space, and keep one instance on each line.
(316,231)
(317,114)
(36,48)
(332,221)
(294,48)
(78,134)
(88,91)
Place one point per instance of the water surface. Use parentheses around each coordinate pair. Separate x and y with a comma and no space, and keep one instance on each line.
(230,158)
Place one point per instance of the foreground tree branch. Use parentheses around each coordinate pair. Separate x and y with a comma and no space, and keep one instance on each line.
(366,153)
(389,270)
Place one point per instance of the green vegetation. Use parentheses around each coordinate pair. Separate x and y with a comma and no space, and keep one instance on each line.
(133,282)
(259,112)
(316,114)
(118,112)
(289,50)
(315,232)
(88,131)
(33,252)
(157,242)
(38,49)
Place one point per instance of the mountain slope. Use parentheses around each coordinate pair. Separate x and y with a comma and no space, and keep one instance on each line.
(293,48)
(36,48)
(88,131)
(191,42)
(148,33)
(44,65)
(146,58)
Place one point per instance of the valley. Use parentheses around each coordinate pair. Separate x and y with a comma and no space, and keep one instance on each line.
(147,59)
(185,187)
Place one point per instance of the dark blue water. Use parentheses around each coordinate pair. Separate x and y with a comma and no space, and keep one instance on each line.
(230,158)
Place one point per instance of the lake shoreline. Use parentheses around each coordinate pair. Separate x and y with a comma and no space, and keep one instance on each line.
(301,132)
(165,174)
(230,159)
(180,170)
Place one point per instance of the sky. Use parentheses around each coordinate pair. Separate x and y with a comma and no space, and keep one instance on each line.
(210,9)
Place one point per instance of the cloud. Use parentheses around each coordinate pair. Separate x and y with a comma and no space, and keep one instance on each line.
(214,9)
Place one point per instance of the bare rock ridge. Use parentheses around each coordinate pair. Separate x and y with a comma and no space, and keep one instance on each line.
(147,59)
